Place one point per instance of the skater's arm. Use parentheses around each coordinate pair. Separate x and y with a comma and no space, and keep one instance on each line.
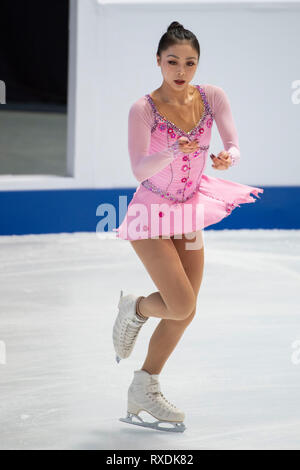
(143,165)
(225,123)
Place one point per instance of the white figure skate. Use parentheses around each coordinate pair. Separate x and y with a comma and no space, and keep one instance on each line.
(127,326)
(144,394)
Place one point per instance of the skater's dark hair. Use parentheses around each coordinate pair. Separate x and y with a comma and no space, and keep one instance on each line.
(174,35)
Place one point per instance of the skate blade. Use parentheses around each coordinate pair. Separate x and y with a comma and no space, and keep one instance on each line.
(177,427)
(118,359)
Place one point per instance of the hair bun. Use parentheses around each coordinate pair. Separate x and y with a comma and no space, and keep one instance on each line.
(175,25)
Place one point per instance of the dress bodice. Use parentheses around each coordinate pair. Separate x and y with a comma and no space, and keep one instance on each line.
(180,179)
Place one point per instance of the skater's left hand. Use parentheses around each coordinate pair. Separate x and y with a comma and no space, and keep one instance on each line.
(222,161)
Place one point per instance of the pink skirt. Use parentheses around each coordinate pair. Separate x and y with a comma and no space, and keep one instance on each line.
(151,216)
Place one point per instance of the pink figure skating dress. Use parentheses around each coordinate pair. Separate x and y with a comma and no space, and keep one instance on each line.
(174,195)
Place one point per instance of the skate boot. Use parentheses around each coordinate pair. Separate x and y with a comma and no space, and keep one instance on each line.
(144,394)
(127,326)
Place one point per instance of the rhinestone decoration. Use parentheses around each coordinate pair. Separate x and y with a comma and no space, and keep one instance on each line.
(173,129)
(151,187)
(228,205)
(147,184)
(164,125)
(209,122)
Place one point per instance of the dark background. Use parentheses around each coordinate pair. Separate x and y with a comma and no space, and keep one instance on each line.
(34,38)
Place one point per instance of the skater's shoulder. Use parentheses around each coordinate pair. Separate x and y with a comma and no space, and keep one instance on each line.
(211,88)
(141,107)
(216,96)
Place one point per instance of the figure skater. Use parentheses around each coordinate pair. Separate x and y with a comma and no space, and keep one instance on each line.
(169,134)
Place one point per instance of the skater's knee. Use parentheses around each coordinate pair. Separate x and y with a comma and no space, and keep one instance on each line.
(187,320)
(184,307)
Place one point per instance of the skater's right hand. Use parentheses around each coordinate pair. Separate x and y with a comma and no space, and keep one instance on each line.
(188,146)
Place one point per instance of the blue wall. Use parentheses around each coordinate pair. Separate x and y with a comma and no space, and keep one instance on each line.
(55,211)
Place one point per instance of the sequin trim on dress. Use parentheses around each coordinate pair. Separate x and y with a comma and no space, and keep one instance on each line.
(155,189)
(170,130)
(229,205)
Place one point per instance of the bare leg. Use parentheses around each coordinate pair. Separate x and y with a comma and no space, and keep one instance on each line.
(163,342)
(153,306)
(168,332)
(175,298)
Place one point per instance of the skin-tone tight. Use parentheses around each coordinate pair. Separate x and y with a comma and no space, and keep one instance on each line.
(177,273)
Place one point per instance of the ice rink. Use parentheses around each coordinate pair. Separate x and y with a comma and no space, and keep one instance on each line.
(235,372)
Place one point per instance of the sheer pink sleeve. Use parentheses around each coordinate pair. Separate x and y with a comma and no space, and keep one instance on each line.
(143,165)
(223,116)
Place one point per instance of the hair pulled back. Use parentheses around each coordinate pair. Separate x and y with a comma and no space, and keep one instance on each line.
(174,35)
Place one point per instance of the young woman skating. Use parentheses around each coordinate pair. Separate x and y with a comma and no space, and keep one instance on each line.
(169,132)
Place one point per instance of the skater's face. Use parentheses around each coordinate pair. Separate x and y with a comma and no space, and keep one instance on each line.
(178,62)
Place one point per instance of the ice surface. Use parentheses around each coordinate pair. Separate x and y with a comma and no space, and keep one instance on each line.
(235,372)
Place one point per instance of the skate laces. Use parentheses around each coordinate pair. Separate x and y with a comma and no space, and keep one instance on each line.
(154,389)
(131,332)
